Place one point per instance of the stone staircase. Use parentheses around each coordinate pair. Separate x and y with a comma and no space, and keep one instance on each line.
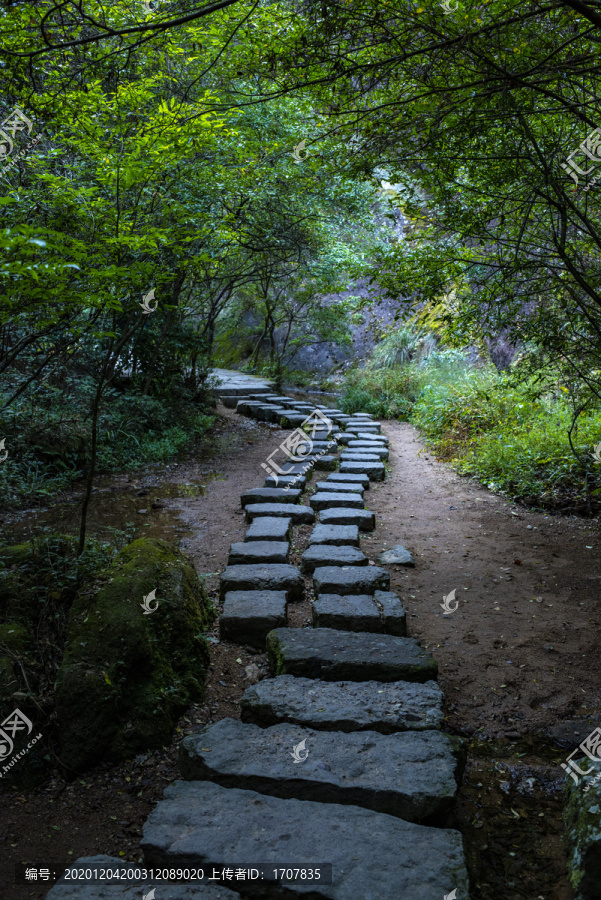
(339,758)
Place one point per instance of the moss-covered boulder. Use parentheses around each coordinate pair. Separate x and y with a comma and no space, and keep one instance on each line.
(582,818)
(126,676)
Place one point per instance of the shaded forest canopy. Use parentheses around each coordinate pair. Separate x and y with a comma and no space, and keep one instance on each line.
(233,163)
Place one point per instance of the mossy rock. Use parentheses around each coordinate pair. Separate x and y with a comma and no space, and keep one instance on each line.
(126,676)
(582,818)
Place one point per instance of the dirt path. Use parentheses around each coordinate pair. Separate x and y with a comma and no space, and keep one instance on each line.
(516,670)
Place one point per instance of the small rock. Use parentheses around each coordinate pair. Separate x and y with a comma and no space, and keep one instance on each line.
(252,673)
(142,512)
(398,555)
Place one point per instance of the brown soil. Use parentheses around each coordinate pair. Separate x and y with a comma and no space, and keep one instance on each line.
(518,663)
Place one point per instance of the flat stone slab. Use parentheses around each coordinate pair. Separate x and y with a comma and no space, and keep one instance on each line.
(249,616)
(374,470)
(362,518)
(329,500)
(125,890)
(359,456)
(345,656)
(370,436)
(393,612)
(284,481)
(344,705)
(247,407)
(269,495)
(329,555)
(352,580)
(340,487)
(382,614)
(364,427)
(364,448)
(338,535)
(357,478)
(411,775)
(269,528)
(231,402)
(373,855)
(300,515)
(258,552)
(398,555)
(264,577)
(326,463)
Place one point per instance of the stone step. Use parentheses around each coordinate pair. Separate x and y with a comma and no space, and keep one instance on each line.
(364,447)
(292,469)
(294,481)
(341,487)
(269,528)
(293,419)
(371,436)
(360,455)
(265,577)
(374,470)
(247,407)
(373,855)
(345,656)
(300,515)
(344,705)
(338,535)
(328,555)
(278,416)
(229,401)
(123,889)
(362,518)
(258,552)
(381,614)
(249,616)
(264,411)
(330,500)
(352,580)
(411,775)
(326,463)
(361,479)
(363,427)
(270,495)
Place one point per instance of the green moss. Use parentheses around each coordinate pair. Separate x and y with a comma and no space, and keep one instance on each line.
(126,676)
(582,818)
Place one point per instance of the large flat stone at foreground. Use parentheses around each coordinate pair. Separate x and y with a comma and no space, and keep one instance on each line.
(362,518)
(249,616)
(269,528)
(270,495)
(328,555)
(374,856)
(258,552)
(124,890)
(352,580)
(374,470)
(329,500)
(344,705)
(346,656)
(411,774)
(263,577)
(339,535)
(300,515)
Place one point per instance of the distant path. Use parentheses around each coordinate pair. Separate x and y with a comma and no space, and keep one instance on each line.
(232,381)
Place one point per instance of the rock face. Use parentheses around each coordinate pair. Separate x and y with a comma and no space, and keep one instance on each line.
(344,656)
(344,705)
(412,775)
(125,676)
(102,890)
(374,855)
